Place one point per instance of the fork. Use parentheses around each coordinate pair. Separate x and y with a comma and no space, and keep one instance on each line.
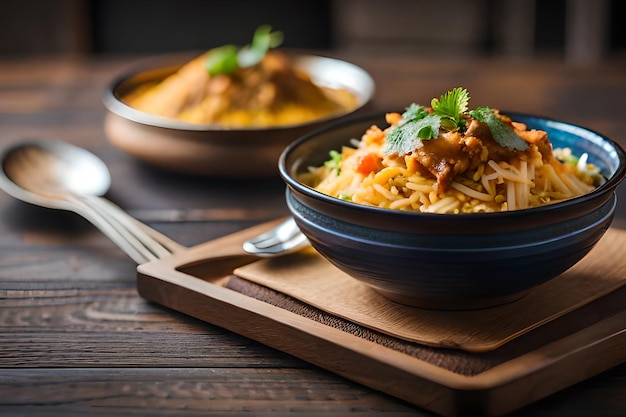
(283,239)
(142,242)
(148,244)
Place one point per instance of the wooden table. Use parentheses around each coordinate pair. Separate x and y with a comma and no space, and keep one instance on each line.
(75,337)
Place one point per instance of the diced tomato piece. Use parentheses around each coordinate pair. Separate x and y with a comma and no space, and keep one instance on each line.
(368,163)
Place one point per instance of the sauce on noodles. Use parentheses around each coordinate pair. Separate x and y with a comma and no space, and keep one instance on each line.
(462,169)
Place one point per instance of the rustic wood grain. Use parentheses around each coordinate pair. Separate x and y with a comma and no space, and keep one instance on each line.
(195,391)
(76,339)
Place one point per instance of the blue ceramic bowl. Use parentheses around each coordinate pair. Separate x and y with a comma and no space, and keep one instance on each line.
(452,261)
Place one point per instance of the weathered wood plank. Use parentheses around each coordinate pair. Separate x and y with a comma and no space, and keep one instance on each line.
(207,391)
(219,391)
(95,323)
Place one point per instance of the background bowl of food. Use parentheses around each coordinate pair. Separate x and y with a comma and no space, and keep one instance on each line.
(230,111)
(429,209)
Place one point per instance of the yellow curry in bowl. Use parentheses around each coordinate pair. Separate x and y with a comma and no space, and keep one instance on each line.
(273,92)
(231,111)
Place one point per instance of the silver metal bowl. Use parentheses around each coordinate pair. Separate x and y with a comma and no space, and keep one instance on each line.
(217,150)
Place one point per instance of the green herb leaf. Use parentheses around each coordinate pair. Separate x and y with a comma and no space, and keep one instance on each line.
(265,39)
(419,124)
(334,162)
(450,107)
(226,59)
(448,111)
(499,130)
(248,57)
(405,138)
(412,113)
(222,60)
(262,41)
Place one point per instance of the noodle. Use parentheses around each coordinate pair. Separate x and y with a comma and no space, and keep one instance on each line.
(517,181)
(471,192)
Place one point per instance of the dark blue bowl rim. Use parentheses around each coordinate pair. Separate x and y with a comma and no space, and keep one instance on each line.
(608,187)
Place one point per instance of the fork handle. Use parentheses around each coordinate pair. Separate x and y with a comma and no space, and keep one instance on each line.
(136,252)
(151,243)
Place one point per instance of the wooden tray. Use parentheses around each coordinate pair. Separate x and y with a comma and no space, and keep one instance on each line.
(535,363)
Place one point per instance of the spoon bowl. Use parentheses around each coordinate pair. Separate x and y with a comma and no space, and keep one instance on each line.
(44,172)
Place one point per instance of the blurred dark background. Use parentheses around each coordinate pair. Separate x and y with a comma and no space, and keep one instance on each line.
(575,30)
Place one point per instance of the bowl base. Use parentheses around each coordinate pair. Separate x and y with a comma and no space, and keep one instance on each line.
(450,304)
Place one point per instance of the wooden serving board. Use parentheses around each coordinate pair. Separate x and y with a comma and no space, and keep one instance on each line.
(543,358)
(310,278)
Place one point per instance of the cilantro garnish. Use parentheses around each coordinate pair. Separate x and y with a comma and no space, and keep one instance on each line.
(501,132)
(222,60)
(451,107)
(418,124)
(413,112)
(448,113)
(334,162)
(226,59)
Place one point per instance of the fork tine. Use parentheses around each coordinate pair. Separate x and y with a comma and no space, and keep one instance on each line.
(283,238)
(280,232)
